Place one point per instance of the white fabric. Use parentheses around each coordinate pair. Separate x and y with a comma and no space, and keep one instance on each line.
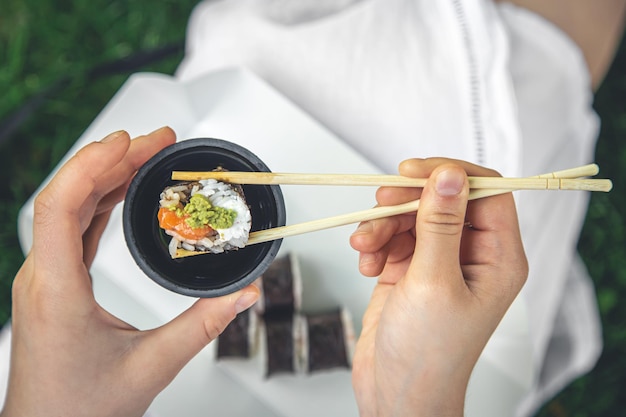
(495,85)
(363,73)
(559,129)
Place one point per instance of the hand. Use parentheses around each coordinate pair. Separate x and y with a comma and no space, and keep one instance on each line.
(69,356)
(442,289)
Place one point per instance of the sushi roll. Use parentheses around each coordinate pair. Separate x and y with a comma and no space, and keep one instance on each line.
(238,340)
(327,341)
(281,287)
(282,342)
(307,343)
(204,216)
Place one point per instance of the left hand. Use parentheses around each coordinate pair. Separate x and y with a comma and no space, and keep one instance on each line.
(69,356)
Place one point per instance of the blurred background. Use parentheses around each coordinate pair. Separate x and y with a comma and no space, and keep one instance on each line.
(61,61)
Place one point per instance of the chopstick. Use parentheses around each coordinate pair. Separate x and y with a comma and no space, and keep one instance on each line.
(570,173)
(387,211)
(273,178)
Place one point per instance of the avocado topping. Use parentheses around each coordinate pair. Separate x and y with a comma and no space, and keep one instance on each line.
(201,213)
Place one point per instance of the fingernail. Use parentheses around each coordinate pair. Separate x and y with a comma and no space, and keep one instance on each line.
(449,182)
(112,136)
(367,258)
(365,227)
(158,130)
(246,301)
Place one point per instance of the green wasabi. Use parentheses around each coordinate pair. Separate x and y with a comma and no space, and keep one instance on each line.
(201,213)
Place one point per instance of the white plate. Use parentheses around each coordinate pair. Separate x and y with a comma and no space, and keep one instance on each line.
(235,105)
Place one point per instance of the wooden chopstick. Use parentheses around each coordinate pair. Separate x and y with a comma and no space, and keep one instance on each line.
(274,178)
(386,211)
(269,178)
(577,172)
(570,173)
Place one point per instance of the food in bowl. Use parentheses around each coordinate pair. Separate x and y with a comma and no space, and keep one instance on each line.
(204,216)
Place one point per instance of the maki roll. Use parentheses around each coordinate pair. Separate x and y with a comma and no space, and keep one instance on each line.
(204,216)
(328,340)
(307,343)
(282,344)
(281,287)
(238,339)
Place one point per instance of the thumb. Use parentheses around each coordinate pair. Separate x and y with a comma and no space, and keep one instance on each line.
(172,345)
(439,223)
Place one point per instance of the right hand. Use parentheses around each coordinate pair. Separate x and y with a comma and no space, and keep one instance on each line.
(442,290)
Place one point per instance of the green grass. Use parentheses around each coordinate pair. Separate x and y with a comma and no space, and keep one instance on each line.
(44,40)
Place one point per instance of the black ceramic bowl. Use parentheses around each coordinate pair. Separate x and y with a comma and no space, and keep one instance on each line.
(208,275)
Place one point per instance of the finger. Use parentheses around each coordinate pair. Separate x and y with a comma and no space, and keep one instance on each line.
(91,237)
(492,213)
(141,149)
(495,245)
(387,259)
(422,168)
(487,221)
(109,201)
(181,339)
(64,209)
(391,196)
(372,235)
(57,223)
(480,213)
(415,168)
(439,224)
(377,242)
